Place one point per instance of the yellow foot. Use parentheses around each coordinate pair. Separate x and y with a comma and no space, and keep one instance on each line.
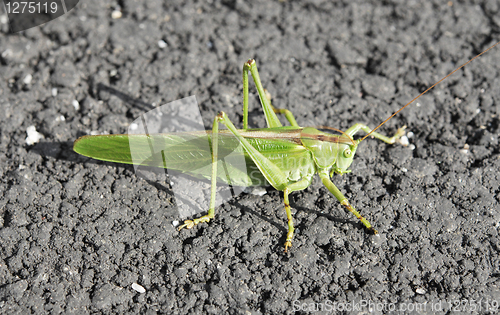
(288,244)
(398,137)
(372,230)
(400,132)
(189,224)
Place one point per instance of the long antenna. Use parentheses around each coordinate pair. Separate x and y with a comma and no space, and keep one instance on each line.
(428,89)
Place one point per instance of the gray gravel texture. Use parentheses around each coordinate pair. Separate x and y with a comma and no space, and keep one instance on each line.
(76,233)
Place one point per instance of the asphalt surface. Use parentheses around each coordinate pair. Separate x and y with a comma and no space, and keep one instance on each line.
(82,236)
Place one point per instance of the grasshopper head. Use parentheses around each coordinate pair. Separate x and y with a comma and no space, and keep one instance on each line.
(344,159)
(330,151)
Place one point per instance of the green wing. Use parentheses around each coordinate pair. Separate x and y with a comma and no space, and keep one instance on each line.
(190,153)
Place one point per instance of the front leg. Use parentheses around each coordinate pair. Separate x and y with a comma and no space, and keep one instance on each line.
(390,140)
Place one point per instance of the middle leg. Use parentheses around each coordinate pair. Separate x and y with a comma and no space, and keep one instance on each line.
(325,179)
(300,185)
(273,174)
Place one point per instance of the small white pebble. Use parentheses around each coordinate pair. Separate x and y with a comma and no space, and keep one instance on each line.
(420,291)
(116,14)
(410,135)
(82,18)
(465,150)
(162,44)
(4,19)
(404,169)
(404,141)
(411,147)
(54,92)
(7,52)
(60,118)
(113,72)
(139,288)
(33,136)
(76,105)
(94,133)
(22,167)
(27,79)
(133,126)
(478,110)
(258,191)
(175,223)
(418,104)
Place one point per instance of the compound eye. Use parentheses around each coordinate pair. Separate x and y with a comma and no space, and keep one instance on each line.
(347,153)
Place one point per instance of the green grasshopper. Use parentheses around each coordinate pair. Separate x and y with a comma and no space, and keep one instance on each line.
(285,157)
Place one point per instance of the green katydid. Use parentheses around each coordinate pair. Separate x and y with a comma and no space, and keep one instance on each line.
(285,157)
